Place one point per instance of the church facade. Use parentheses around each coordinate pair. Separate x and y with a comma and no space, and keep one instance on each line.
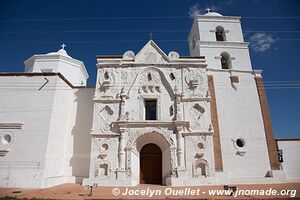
(152,117)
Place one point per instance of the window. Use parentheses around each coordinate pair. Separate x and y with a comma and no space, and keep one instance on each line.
(225,60)
(106,76)
(149,76)
(220,33)
(194,43)
(150,109)
(240,142)
(172,76)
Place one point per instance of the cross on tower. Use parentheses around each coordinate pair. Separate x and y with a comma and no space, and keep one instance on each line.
(63,46)
(150,35)
(208,10)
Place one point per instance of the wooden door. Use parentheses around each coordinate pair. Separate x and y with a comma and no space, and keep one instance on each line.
(151,164)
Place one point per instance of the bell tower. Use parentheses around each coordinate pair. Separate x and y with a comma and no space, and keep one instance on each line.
(240,116)
(220,39)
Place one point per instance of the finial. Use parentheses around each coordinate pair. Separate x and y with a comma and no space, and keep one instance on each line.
(63,46)
(122,90)
(208,10)
(150,35)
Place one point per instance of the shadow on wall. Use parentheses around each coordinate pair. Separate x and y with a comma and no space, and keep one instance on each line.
(80,161)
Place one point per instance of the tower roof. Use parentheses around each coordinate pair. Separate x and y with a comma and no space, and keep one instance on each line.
(214,14)
(60,52)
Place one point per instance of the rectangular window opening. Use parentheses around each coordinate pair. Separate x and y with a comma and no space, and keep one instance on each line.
(150,109)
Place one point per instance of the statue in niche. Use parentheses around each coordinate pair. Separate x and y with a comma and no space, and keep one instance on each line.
(103,170)
(200,168)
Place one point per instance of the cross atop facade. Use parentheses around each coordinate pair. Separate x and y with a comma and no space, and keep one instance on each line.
(208,10)
(63,46)
(150,35)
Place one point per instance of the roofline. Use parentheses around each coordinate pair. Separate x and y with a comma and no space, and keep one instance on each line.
(44,74)
(110,56)
(218,17)
(118,57)
(193,57)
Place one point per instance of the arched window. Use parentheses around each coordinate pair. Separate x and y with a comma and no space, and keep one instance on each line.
(225,60)
(220,33)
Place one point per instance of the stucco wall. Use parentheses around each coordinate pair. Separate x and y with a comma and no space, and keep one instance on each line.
(22,102)
(53,144)
(291,163)
(239,115)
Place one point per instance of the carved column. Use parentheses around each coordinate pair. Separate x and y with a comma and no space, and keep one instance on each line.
(180,150)
(177,95)
(123,105)
(121,172)
(179,137)
(121,151)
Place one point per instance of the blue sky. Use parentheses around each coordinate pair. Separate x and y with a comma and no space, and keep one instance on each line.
(91,28)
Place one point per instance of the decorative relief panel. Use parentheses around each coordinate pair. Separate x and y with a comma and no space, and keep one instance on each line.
(197,111)
(199,142)
(102,168)
(107,78)
(150,76)
(107,114)
(195,83)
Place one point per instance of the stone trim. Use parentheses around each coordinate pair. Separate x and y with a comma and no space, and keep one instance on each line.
(11,125)
(225,43)
(32,74)
(275,165)
(215,123)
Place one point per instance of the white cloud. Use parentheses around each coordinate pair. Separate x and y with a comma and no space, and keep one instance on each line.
(214,8)
(261,42)
(196,10)
(229,2)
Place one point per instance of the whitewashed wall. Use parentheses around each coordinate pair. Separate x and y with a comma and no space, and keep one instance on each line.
(291,163)
(239,115)
(42,151)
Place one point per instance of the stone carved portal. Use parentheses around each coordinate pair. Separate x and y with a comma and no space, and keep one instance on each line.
(141,137)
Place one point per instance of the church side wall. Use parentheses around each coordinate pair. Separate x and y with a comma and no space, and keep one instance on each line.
(22,102)
(63,152)
(240,116)
(60,120)
(291,164)
(78,141)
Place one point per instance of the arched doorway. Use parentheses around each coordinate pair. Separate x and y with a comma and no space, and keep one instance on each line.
(151,164)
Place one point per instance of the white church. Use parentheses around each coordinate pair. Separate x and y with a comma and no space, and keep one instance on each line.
(152,118)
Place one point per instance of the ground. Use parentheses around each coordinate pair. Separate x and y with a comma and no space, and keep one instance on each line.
(76,191)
